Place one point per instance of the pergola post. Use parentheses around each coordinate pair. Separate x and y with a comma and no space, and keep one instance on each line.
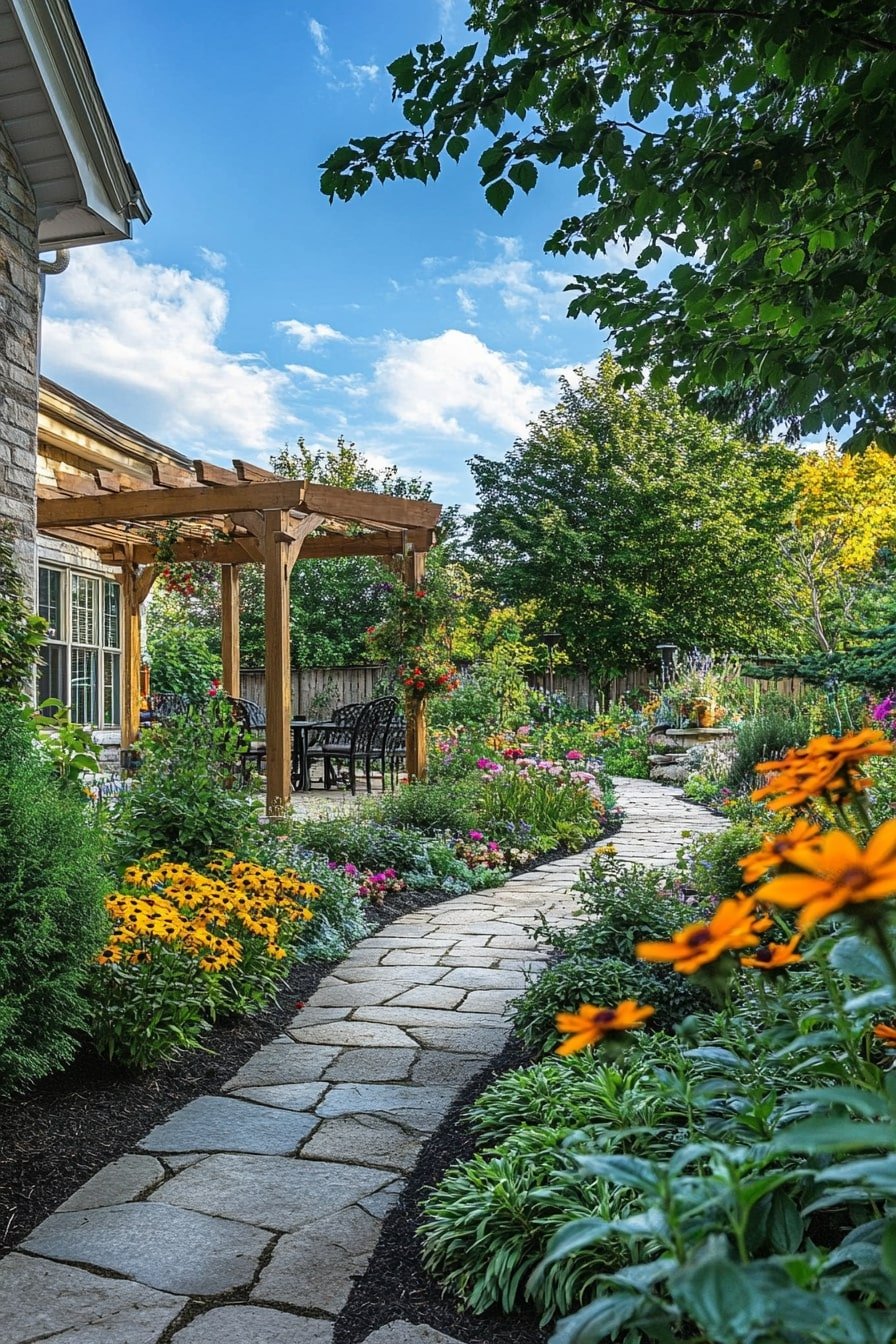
(135,585)
(230,628)
(278,689)
(130,656)
(413,567)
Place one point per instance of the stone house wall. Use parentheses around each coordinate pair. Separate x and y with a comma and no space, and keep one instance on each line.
(19,325)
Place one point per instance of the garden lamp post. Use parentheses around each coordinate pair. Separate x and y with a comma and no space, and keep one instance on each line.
(551,640)
(667,654)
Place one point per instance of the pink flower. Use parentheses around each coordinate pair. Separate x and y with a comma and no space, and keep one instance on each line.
(475,835)
(525,731)
(574,756)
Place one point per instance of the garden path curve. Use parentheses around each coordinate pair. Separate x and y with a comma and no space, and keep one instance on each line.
(245,1217)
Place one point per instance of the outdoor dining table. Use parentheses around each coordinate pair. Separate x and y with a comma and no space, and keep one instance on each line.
(301,730)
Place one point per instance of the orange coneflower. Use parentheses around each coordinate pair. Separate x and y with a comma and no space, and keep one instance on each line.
(827,765)
(773,956)
(775,850)
(834,872)
(590,1025)
(734,925)
(886,1034)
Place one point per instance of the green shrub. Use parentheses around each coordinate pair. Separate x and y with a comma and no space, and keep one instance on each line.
(712,859)
(604,981)
(52,919)
(764,737)
(182,662)
(367,844)
(184,799)
(489,1220)
(623,905)
(432,808)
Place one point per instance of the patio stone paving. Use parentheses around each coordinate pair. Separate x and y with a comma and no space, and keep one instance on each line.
(272,1195)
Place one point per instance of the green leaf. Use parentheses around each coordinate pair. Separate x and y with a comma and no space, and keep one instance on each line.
(724,1299)
(792,262)
(854,956)
(599,1320)
(831,1133)
(524,175)
(785,1225)
(499,195)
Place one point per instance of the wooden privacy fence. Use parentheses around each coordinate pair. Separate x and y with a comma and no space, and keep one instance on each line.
(316,691)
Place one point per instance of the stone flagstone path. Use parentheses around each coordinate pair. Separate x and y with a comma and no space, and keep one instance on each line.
(244,1218)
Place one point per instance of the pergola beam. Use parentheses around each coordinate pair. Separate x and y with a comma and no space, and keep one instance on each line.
(181,502)
(234,551)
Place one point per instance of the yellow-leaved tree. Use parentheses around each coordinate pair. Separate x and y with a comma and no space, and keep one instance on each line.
(835,549)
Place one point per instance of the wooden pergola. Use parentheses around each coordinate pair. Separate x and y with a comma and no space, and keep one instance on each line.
(233,518)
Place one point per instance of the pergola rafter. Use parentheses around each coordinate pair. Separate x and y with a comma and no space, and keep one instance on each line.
(234,517)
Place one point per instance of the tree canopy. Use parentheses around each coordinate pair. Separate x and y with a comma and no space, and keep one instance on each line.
(629,519)
(756,144)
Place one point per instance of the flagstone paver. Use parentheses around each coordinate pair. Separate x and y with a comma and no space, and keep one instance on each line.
(273,1194)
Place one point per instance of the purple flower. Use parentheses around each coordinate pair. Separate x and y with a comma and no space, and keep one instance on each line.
(475,835)
(350,870)
(884,709)
(493,845)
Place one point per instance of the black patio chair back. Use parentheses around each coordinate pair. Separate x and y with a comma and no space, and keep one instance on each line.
(165,704)
(251,718)
(395,747)
(334,743)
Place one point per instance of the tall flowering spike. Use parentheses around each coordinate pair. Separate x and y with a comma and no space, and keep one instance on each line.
(734,925)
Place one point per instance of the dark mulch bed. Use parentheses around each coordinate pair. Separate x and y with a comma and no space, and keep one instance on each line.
(70,1125)
(396,1286)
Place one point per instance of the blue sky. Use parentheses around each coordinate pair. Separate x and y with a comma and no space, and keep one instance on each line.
(249,310)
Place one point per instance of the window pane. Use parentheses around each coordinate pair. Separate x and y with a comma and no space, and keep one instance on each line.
(85,602)
(52,681)
(84,686)
(111,616)
(112,689)
(49,601)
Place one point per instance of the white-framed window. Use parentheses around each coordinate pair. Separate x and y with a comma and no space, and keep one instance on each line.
(81,660)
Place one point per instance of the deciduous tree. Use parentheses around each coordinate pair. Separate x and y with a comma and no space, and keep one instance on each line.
(628,519)
(754,142)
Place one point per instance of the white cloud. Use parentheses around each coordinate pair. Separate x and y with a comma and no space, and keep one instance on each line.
(444,383)
(359,75)
(215,261)
(319,37)
(532,295)
(310,334)
(348,384)
(467,304)
(342,74)
(144,340)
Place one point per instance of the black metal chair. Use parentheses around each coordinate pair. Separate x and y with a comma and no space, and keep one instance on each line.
(251,718)
(366,744)
(370,747)
(333,744)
